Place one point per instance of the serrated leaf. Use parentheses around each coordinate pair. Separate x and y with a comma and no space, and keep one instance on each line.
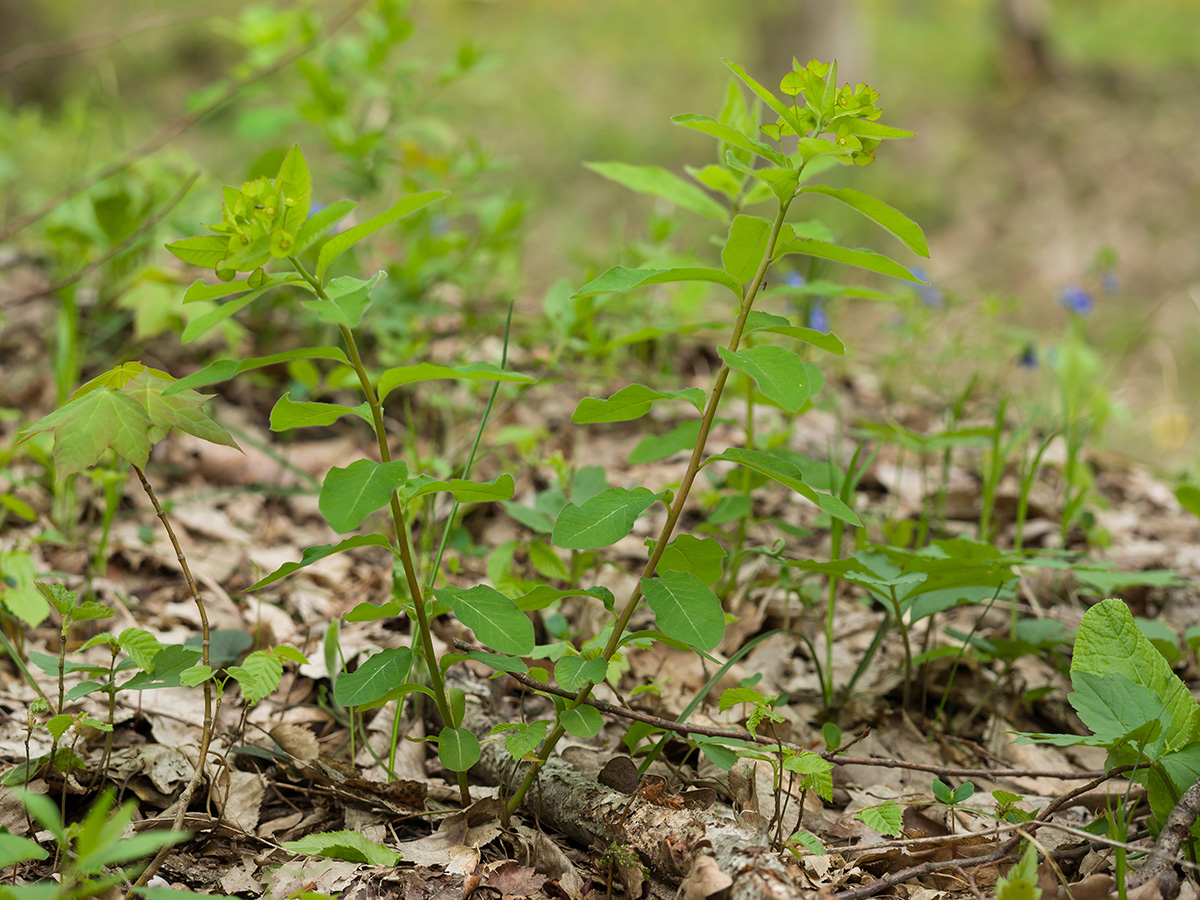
(141,646)
(745,246)
(373,679)
(790,476)
(493,617)
(224,369)
(686,609)
(340,243)
(863,259)
(601,520)
(629,403)
(890,218)
(659,182)
(312,554)
(523,740)
(259,675)
(619,280)
(349,495)
(458,749)
(86,427)
(348,845)
(480,371)
(582,722)
(886,818)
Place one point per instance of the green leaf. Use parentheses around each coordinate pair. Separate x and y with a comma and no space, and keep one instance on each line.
(573,672)
(661,183)
(790,476)
(466,491)
(772,324)
(15,849)
(582,722)
(745,247)
(458,749)
(197,674)
(817,772)
(787,114)
(524,738)
(781,181)
(1109,642)
(348,299)
(780,373)
(886,818)
(863,259)
(86,427)
(601,520)
(685,609)
(652,447)
(259,675)
(348,845)
(141,646)
(340,243)
(169,665)
(19,592)
(316,227)
(224,369)
(620,279)
(312,554)
(373,679)
(480,371)
(205,250)
(202,325)
(493,617)
(630,402)
(349,495)
(890,218)
(702,557)
(294,183)
(1021,882)
(730,135)
(200,290)
(288,413)
(1188,496)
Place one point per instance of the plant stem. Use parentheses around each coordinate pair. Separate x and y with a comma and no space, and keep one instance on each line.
(676,510)
(189,790)
(403,546)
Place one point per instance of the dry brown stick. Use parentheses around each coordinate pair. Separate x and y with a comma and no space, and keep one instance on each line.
(120,248)
(685,728)
(1176,830)
(180,125)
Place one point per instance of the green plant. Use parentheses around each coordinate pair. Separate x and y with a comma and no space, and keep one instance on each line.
(90,852)
(1137,709)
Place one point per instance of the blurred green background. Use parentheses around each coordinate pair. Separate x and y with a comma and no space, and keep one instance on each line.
(1055,148)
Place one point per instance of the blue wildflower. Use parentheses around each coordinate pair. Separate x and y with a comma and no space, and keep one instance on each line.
(930,296)
(1028,358)
(315,207)
(439,225)
(818,319)
(794,279)
(1076,299)
(1110,282)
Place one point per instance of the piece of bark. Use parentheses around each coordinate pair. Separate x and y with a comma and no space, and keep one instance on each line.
(667,839)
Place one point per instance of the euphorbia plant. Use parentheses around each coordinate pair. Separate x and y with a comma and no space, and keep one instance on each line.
(817,125)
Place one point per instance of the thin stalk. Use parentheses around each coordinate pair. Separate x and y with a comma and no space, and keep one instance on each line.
(189,790)
(403,546)
(676,510)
